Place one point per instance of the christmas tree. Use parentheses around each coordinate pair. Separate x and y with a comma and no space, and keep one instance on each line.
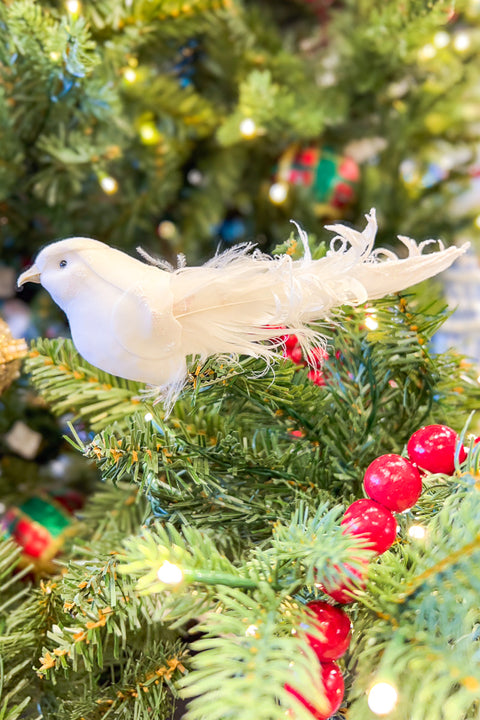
(292,541)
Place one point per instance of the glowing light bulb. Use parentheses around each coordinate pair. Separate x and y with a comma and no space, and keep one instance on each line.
(427,52)
(166,229)
(278,193)
(441,39)
(54,56)
(476,222)
(73,6)
(248,128)
(461,42)
(109,185)
(251,631)
(371,319)
(169,573)
(130,75)
(148,417)
(417,532)
(149,134)
(382,698)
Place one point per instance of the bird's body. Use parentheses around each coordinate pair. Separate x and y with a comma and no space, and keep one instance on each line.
(141,322)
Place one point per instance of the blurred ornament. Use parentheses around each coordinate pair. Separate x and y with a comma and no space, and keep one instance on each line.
(23,441)
(184,67)
(343,590)
(11,351)
(39,526)
(195,177)
(232,229)
(330,176)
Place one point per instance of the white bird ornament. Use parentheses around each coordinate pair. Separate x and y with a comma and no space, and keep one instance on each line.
(141,321)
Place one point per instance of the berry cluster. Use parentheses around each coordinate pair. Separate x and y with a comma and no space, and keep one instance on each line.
(393,484)
(293,352)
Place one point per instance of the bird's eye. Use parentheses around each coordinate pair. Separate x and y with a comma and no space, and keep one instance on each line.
(63,263)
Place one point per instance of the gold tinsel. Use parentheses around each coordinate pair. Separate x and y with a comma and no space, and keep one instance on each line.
(11,351)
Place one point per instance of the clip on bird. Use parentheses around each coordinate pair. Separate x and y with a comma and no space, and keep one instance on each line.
(149,317)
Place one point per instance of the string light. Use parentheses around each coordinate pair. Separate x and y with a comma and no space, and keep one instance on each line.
(417,532)
(248,128)
(109,185)
(73,6)
(251,631)
(441,39)
(169,573)
(54,56)
(371,321)
(149,134)
(166,229)
(130,75)
(476,222)
(427,52)
(148,417)
(461,42)
(278,193)
(382,698)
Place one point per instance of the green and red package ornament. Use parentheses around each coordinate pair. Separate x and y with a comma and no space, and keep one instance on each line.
(331,177)
(39,526)
(432,448)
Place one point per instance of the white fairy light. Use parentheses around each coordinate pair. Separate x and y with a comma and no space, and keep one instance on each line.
(441,39)
(54,55)
(73,6)
(109,185)
(130,75)
(461,41)
(251,631)
(417,532)
(382,698)
(166,229)
(476,222)
(371,321)
(427,52)
(248,128)
(148,417)
(278,193)
(169,573)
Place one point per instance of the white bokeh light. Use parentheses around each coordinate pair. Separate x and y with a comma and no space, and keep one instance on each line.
(382,698)
(169,573)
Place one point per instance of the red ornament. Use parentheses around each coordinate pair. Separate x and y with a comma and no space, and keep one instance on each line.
(393,481)
(335,629)
(433,448)
(333,689)
(372,521)
(343,591)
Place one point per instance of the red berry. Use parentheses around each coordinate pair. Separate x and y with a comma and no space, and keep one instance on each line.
(433,448)
(290,341)
(295,354)
(334,627)
(317,377)
(342,591)
(333,688)
(393,481)
(317,357)
(373,522)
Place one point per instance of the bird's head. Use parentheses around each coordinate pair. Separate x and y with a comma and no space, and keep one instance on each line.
(63,268)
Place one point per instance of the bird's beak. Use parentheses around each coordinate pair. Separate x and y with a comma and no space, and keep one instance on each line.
(30,275)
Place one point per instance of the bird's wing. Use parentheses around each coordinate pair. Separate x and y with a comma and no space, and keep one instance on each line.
(143,322)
